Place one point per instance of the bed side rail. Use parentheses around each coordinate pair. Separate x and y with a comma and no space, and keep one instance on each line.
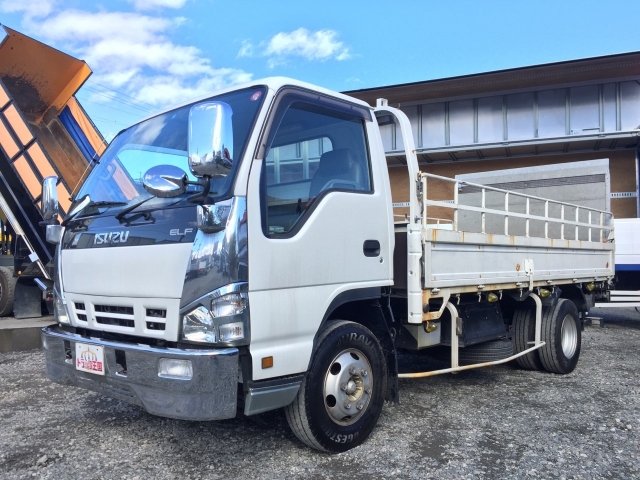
(484,209)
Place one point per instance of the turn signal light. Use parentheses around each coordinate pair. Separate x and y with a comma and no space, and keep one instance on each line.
(544,293)
(591,286)
(267,362)
(492,298)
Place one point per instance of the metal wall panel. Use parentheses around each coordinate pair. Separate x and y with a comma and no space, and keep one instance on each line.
(520,119)
(461,128)
(561,113)
(552,113)
(609,107)
(585,109)
(490,120)
(433,125)
(630,105)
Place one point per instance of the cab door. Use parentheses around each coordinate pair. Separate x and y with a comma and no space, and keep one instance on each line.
(320,224)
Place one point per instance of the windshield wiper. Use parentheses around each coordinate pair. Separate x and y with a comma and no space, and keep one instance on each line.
(105,203)
(131,208)
(85,203)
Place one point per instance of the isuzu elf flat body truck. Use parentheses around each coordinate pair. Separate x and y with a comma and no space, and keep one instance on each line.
(239,254)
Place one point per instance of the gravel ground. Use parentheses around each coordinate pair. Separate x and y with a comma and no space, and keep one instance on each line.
(499,422)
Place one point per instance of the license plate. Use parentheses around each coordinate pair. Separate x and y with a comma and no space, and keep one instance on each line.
(90,358)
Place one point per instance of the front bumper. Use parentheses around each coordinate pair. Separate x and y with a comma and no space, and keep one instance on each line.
(211,393)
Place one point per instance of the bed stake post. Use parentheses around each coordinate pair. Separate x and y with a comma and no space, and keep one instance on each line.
(453,311)
(536,299)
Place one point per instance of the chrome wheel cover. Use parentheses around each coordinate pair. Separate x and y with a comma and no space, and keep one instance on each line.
(348,386)
(569,336)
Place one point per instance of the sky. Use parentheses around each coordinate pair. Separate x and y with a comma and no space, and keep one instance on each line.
(147,55)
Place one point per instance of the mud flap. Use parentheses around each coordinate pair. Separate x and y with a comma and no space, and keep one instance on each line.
(27,301)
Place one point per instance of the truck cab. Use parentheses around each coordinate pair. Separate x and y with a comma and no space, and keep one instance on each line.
(294,219)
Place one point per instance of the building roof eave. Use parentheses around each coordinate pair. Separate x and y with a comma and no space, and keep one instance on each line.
(604,68)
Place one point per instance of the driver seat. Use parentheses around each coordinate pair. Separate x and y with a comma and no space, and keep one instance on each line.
(334,166)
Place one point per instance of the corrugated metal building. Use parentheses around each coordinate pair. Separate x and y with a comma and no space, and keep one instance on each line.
(540,115)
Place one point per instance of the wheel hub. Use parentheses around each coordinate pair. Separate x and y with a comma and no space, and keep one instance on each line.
(348,386)
(352,386)
(569,336)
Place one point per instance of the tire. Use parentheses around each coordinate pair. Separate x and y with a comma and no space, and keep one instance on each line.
(562,332)
(524,334)
(7,291)
(324,415)
(485,352)
(490,351)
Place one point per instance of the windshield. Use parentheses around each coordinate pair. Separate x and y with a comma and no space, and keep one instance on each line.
(117,179)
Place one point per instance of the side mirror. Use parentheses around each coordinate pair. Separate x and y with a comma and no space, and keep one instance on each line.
(210,139)
(54,234)
(165,181)
(213,218)
(49,198)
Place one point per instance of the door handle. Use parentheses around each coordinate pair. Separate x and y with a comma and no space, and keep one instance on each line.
(371,248)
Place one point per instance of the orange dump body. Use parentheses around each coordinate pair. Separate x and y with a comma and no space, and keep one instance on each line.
(43,132)
(37,82)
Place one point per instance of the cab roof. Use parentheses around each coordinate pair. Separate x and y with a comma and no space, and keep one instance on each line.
(273,83)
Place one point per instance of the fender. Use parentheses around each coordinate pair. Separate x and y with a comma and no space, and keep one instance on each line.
(363,306)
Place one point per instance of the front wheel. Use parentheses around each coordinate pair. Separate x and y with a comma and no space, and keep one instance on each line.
(341,396)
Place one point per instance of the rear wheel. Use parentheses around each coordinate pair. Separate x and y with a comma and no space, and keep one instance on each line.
(524,334)
(562,334)
(7,290)
(341,397)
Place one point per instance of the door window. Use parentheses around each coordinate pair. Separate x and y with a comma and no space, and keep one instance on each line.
(315,150)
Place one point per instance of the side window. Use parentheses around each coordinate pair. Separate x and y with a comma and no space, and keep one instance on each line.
(314,150)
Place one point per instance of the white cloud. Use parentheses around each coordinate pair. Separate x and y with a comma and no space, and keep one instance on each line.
(160,88)
(276,62)
(80,26)
(320,45)
(151,4)
(138,57)
(246,50)
(31,8)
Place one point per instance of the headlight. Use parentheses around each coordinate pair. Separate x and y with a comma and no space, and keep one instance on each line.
(197,326)
(59,309)
(225,322)
(230,304)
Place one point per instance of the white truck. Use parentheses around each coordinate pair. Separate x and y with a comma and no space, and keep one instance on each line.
(313,288)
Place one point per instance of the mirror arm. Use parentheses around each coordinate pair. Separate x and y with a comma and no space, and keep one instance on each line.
(200,196)
(53,221)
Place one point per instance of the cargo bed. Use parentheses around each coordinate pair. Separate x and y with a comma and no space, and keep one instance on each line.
(480,249)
